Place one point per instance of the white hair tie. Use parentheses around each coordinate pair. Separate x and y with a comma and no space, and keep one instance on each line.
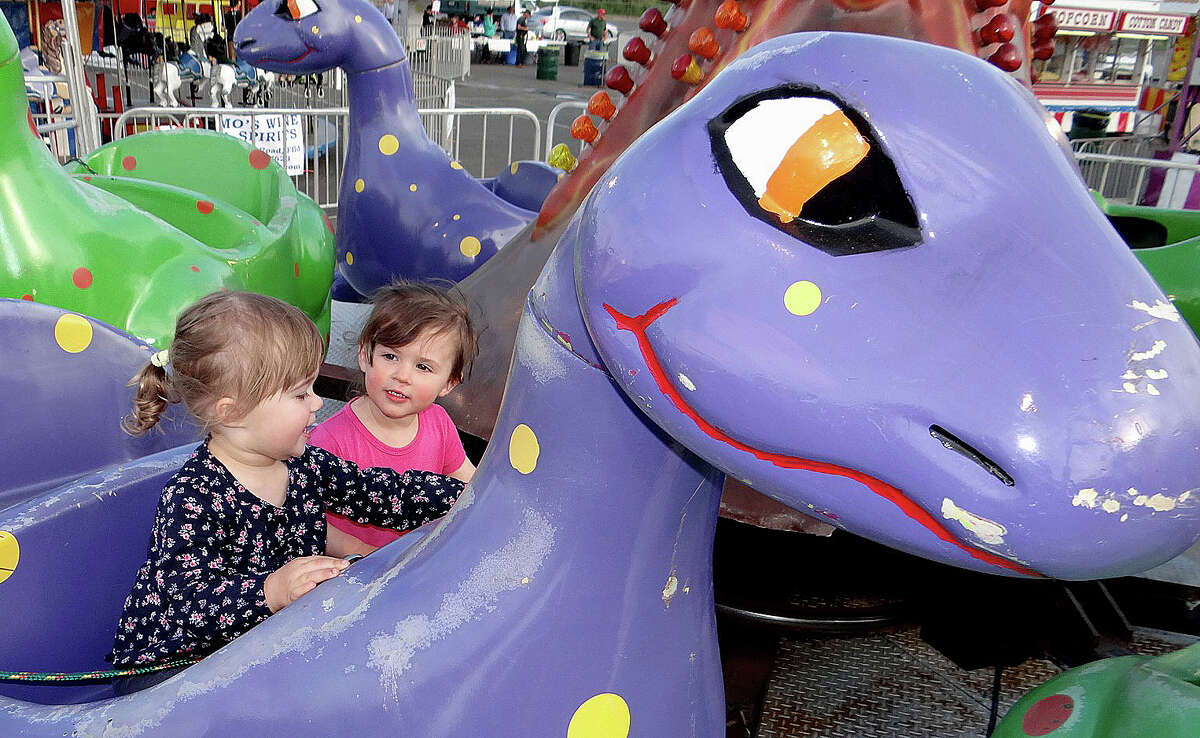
(159,359)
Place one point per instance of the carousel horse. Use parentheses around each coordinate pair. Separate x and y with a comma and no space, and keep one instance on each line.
(167,76)
(227,76)
(797,279)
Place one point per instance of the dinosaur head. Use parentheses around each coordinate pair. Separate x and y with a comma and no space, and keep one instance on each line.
(860,274)
(309,36)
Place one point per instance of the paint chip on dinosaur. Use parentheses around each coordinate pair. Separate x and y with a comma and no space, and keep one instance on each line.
(986,530)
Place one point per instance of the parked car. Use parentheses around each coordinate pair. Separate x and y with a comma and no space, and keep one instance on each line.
(565,23)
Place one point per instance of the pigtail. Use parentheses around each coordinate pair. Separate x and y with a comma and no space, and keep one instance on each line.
(150,399)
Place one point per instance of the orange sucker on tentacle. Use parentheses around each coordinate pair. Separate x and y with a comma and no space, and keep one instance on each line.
(830,148)
(601,106)
(1044,29)
(584,129)
(652,22)
(618,79)
(1007,58)
(703,42)
(999,30)
(637,51)
(730,16)
(685,69)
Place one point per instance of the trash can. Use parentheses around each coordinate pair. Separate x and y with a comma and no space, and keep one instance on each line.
(1089,123)
(547,63)
(571,54)
(593,67)
(511,57)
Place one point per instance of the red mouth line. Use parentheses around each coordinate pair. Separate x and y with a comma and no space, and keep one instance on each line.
(638,325)
(307,50)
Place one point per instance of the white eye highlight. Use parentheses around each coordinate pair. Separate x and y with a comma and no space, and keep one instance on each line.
(760,139)
(302,8)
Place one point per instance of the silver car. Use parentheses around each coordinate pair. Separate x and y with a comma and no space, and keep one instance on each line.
(565,23)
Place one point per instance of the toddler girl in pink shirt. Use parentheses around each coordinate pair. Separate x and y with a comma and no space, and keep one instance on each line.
(416,346)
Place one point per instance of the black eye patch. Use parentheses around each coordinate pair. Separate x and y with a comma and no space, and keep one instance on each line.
(867,209)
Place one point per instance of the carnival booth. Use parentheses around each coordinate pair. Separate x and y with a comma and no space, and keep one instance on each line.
(1115,65)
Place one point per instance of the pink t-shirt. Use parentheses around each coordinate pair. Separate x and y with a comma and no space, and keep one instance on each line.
(436,448)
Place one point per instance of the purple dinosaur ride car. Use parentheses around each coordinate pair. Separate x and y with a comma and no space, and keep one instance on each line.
(802,278)
(405,208)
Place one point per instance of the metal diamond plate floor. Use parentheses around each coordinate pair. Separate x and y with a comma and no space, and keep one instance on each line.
(891,685)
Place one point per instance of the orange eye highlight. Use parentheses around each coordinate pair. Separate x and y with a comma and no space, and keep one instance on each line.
(294,10)
(830,148)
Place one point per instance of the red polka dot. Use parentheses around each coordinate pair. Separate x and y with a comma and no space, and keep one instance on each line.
(82,277)
(129,163)
(87,178)
(1047,714)
(259,159)
(195,268)
(27,297)
(296,267)
(204,206)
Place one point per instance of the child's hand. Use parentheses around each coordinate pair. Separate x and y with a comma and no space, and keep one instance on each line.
(298,576)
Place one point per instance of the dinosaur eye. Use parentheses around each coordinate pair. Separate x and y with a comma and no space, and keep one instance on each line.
(798,159)
(297,9)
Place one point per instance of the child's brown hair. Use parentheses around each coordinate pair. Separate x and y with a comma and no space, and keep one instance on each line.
(403,310)
(227,344)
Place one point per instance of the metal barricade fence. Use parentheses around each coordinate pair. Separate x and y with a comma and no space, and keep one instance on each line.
(134,83)
(439,52)
(483,140)
(557,132)
(1123,179)
(55,121)
(1137,146)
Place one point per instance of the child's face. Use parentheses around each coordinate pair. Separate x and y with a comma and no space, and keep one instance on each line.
(278,426)
(404,380)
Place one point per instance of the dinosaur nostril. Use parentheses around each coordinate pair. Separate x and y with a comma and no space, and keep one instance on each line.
(957,445)
(246,43)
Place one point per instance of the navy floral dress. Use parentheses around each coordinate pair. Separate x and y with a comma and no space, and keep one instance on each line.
(214,543)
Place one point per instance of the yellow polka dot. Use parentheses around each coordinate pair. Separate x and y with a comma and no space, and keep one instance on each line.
(359,185)
(358,19)
(315,30)
(349,258)
(412,187)
(73,333)
(523,449)
(802,298)
(470,246)
(604,716)
(455,165)
(388,144)
(513,168)
(457,216)
(10,553)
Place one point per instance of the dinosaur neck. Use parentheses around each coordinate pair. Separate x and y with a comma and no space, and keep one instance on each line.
(605,517)
(597,457)
(20,146)
(29,175)
(383,92)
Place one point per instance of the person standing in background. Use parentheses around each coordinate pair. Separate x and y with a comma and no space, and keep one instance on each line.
(508,23)
(522,37)
(597,29)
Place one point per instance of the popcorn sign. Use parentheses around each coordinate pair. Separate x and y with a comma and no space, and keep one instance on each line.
(280,136)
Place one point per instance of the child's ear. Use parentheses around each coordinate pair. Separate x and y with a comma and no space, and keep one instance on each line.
(364,359)
(450,384)
(223,410)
